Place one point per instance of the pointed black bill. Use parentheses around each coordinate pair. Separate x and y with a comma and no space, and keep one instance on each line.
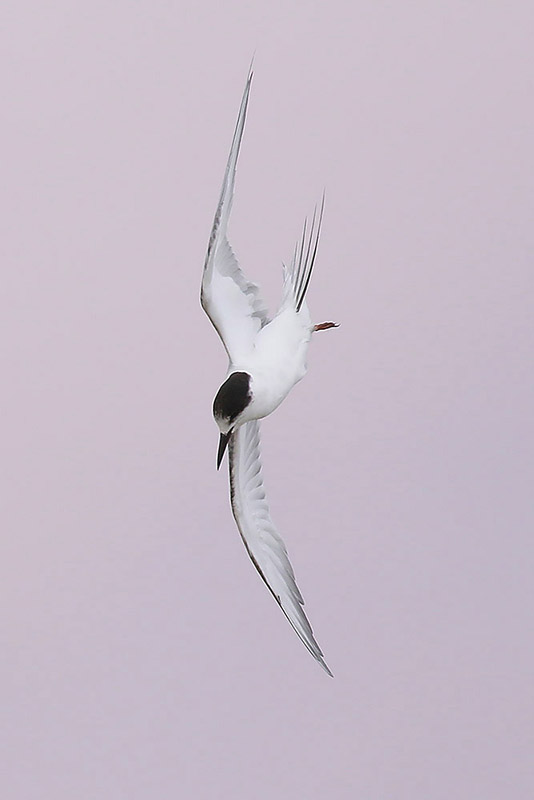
(223,443)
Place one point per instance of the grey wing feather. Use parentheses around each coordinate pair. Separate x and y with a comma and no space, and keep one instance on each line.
(262,541)
(230,300)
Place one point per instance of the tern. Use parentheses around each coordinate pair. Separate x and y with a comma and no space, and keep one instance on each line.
(267,357)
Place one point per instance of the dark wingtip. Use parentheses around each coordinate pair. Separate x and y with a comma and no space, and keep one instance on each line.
(326,668)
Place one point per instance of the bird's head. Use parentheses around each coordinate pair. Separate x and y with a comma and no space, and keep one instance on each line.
(230,401)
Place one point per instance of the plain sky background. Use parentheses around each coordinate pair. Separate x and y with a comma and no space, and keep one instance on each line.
(141,656)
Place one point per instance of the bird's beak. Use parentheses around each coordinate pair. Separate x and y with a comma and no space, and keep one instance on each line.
(223,443)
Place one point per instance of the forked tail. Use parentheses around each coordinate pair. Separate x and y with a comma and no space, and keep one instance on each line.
(303,261)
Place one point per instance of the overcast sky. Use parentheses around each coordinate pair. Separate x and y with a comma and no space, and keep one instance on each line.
(142,656)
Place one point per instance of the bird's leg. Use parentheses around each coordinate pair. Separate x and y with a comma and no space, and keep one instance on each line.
(325,325)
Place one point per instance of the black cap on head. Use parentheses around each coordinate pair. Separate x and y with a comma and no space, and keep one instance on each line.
(233,396)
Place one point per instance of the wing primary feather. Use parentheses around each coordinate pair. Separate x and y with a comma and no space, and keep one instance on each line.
(260,537)
(229,174)
(230,300)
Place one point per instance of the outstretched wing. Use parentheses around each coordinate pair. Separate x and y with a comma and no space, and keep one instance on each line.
(264,545)
(231,301)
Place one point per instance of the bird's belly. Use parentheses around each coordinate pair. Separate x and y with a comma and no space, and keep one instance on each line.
(271,385)
(267,398)
(278,363)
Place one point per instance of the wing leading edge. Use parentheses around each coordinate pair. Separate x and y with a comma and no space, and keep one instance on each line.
(230,300)
(260,537)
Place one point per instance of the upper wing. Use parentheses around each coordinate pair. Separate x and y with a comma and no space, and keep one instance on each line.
(263,543)
(228,298)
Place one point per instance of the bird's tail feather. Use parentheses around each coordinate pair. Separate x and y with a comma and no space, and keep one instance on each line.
(297,277)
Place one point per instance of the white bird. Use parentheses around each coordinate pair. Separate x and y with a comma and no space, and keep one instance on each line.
(267,357)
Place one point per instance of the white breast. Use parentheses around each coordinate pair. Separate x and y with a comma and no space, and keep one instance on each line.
(278,361)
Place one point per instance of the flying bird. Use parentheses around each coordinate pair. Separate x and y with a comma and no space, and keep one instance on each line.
(267,357)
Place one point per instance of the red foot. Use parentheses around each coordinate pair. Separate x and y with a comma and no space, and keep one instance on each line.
(325,325)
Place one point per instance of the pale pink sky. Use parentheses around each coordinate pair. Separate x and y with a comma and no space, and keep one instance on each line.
(142,657)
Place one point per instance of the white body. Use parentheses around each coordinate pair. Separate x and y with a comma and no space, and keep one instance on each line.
(273,353)
(277,362)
